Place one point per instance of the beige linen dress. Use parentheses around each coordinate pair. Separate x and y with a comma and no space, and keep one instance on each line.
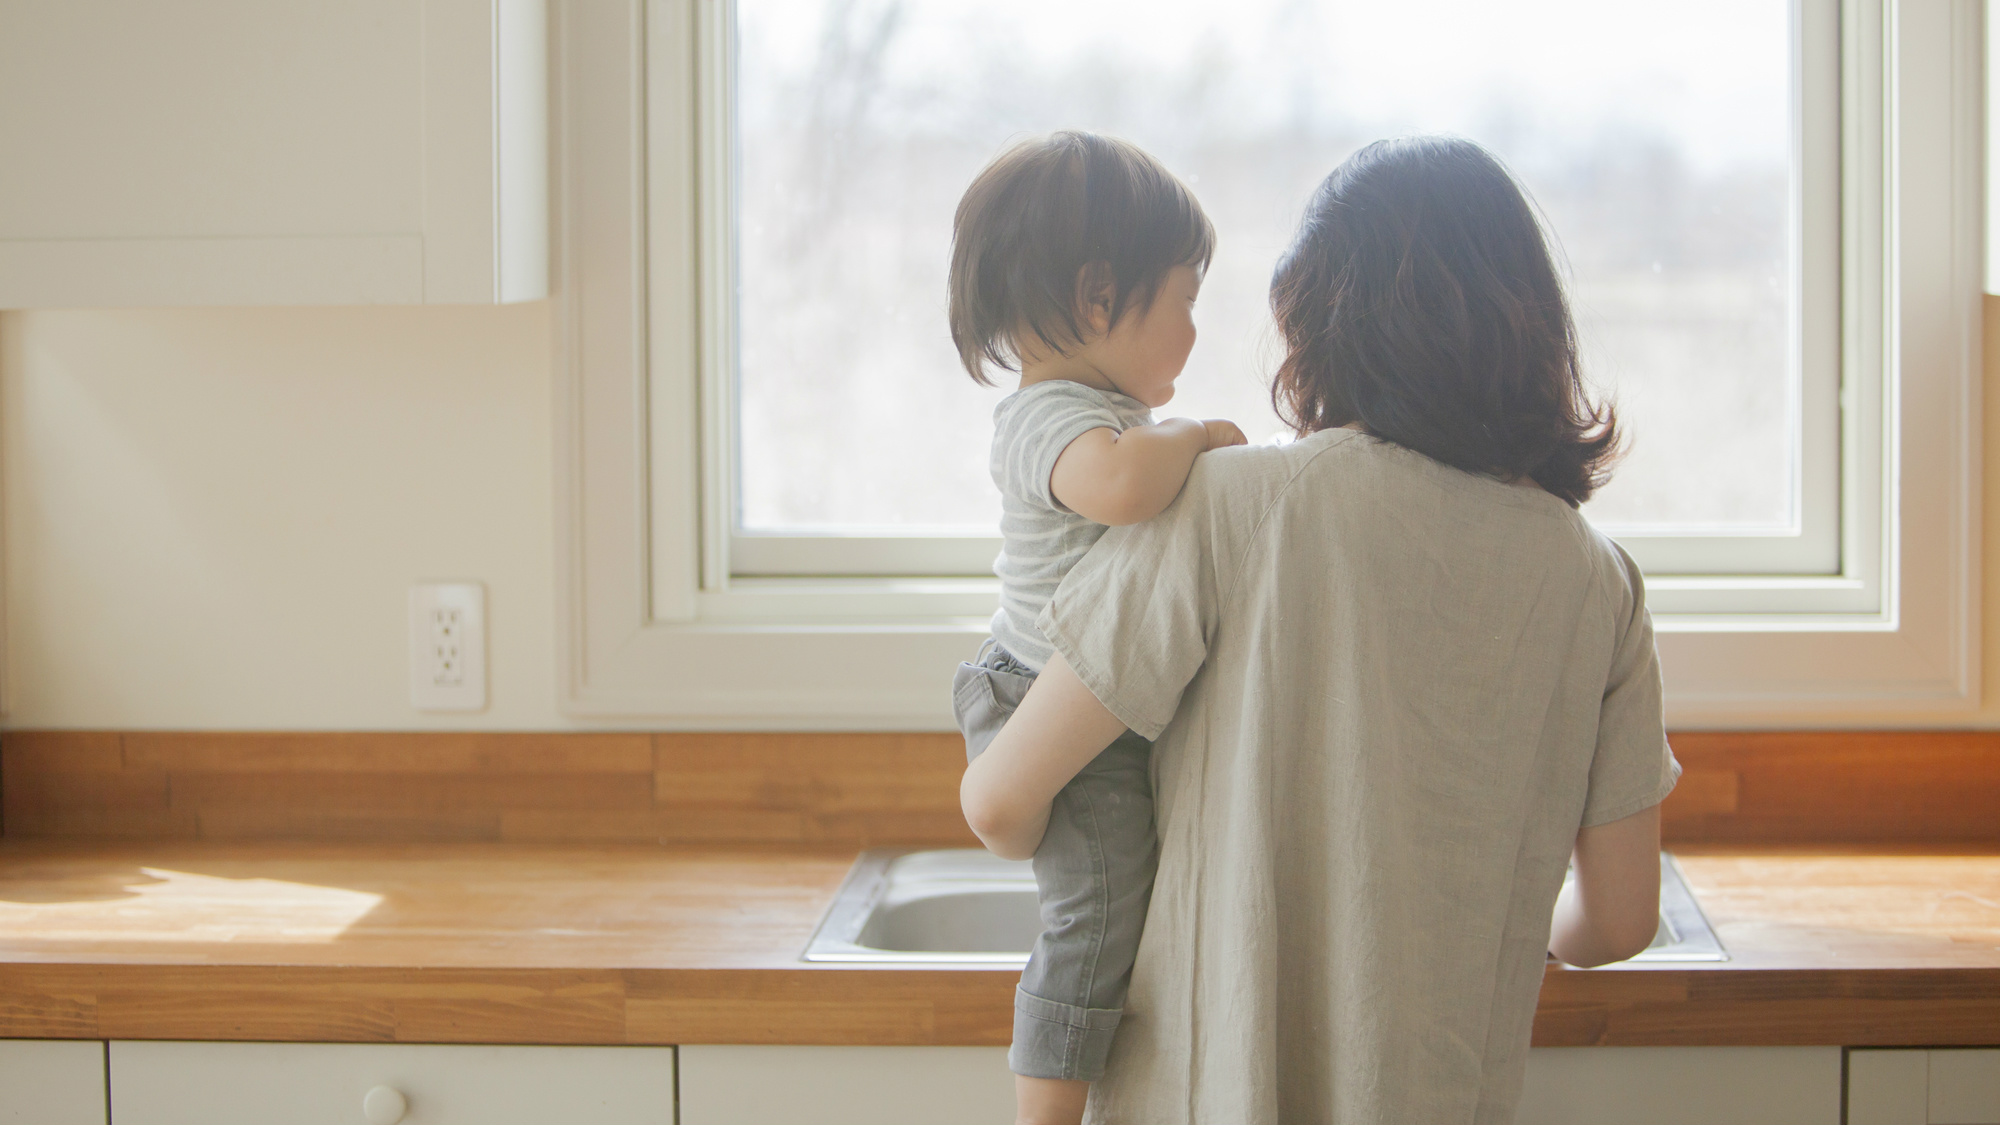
(1386,693)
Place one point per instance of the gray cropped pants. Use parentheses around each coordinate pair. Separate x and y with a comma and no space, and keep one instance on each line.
(1094,873)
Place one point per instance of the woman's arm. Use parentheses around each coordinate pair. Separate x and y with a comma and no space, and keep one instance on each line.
(1612,909)
(1008,789)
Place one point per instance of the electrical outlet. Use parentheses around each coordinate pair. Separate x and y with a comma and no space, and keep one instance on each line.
(448,646)
(447,651)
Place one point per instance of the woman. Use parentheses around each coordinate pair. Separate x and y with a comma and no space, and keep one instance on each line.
(1395,680)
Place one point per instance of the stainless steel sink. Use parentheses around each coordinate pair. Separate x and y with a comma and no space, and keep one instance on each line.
(966,907)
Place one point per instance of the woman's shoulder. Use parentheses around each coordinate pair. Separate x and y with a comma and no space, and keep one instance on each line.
(1375,470)
(1368,474)
(1228,492)
(1253,467)
(1253,476)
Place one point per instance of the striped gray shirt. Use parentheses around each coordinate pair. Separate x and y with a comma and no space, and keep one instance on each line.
(1041,539)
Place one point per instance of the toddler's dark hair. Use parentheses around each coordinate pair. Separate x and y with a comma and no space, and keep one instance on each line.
(1419,299)
(1041,213)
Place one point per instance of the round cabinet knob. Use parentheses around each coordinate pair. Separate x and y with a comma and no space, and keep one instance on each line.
(384,1105)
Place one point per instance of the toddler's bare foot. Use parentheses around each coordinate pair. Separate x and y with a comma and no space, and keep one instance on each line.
(1049,1101)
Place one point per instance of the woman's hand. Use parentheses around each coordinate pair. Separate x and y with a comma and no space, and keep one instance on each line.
(1008,790)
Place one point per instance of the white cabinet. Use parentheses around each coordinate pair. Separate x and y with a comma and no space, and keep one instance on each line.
(330,1083)
(1681,1086)
(211,152)
(971,1086)
(846,1086)
(1949,1086)
(51,1082)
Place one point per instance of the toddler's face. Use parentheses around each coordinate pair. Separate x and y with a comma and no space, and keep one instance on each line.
(1145,351)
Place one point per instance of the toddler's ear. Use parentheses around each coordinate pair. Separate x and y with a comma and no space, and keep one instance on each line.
(1096,296)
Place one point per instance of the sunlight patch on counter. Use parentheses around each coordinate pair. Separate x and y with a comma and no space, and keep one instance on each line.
(163,905)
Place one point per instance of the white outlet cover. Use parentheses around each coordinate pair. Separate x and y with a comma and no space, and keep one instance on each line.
(448,646)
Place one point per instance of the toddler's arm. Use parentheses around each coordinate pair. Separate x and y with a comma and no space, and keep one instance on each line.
(1117,478)
(1008,790)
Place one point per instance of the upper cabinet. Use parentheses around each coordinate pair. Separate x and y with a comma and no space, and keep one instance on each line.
(245,152)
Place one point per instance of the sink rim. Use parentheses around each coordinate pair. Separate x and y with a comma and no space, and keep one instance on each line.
(1697,940)
(869,882)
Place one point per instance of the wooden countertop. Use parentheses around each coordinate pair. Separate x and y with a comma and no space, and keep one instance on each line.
(629,944)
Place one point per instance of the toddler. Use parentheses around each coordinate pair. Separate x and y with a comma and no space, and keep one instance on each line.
(1076,260)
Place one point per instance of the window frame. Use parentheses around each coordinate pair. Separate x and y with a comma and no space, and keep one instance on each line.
(655,625)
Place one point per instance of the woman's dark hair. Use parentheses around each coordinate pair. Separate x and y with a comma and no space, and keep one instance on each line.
(1041,213)
(1420,300)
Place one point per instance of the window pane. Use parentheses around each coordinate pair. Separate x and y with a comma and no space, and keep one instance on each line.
(1657,140)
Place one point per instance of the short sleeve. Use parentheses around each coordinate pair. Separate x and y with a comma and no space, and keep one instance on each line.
(1633,768)
(1034,427)
(1134,619)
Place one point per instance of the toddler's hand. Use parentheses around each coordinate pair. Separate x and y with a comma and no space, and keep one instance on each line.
(1223,432)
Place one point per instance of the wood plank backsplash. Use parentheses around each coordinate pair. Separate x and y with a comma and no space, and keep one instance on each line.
(837,789)
(850,789)
(1835,787)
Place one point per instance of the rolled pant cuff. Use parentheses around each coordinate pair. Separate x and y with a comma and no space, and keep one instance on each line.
(1054,1040)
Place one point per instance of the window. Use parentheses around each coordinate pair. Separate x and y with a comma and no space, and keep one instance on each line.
(774,493)
(1689,173)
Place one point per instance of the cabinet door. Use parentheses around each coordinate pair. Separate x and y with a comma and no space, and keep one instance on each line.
(51,1082)
(328,1084)
(846,1086)
(1945,1086)
(255,153)
(1964,1088)
(1681,1086)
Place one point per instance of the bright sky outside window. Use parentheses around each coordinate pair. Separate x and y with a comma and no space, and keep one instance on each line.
(1657,140)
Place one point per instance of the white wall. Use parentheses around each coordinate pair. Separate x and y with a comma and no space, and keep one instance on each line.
(213,516)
